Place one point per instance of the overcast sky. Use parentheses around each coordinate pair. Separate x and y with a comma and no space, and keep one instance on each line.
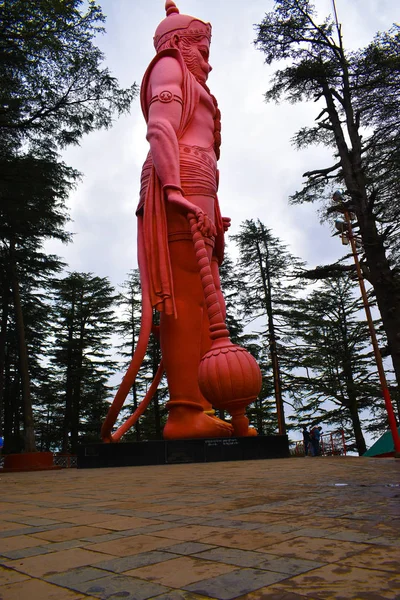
(259,168)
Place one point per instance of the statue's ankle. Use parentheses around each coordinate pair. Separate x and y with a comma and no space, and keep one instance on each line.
(178,406)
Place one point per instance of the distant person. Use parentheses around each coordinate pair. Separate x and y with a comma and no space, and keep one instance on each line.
(315,440)
(306,440)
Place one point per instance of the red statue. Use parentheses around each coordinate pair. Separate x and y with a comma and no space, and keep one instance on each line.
(181,245)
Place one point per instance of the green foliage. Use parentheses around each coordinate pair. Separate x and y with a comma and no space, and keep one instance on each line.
(335,378)
(128,327)
(269,286)
(33,190)
(356,94)
(231,284)
(83,322)
(264,257)
(54,87)
(363,88)
(151,423)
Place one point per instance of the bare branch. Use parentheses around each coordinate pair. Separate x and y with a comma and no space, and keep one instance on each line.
(322,172)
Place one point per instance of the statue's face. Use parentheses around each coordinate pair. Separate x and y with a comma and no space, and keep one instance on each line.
(195,55)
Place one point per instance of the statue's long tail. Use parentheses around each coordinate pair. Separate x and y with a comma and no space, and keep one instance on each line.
(136,362)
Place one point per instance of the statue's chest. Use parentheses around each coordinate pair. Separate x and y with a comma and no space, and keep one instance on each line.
(206,103)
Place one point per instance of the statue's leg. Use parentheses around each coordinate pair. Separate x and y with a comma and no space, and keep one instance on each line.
(181,337)
(183,342)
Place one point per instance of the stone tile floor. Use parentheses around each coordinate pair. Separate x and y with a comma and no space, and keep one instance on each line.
(285,529)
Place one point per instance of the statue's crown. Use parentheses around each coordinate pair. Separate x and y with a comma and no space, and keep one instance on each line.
(177,22)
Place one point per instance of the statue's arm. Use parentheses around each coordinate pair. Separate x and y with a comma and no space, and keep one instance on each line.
(164,99)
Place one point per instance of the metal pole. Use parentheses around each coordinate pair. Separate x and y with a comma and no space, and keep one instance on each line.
(377,352)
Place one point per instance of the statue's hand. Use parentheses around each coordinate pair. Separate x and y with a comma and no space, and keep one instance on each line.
(226,223)
(204,223)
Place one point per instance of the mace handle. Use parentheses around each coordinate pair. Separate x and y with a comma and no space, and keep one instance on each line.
(217,323)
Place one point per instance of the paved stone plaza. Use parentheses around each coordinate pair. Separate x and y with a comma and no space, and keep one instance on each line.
(276,529)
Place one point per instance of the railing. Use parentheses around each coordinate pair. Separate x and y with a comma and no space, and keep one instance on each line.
(332,443)
(66,461)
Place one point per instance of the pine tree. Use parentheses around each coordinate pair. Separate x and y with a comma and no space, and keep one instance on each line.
(231,284)
(234,287)
(153,420)
(128,326)
(32,209)
(54,90)
(151,423)
(269,271)
(84,320)
(54,87)
(335,379)
(357,99)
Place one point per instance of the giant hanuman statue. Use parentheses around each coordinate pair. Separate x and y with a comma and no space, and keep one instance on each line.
(178,204)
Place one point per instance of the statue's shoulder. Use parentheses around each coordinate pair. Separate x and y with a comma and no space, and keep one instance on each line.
(167,67)
(170,58)
(167,61)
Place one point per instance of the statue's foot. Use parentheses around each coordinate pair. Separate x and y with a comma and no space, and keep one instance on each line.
(187,420)
(241,426)
(251,432)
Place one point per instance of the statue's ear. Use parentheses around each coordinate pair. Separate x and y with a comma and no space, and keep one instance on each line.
(175,41)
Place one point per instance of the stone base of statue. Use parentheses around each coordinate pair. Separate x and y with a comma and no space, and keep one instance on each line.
(133,454)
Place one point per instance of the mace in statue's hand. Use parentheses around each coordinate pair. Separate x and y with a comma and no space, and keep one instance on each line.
(204,223)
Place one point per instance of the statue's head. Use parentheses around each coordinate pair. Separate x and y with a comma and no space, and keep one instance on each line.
(177,24)
(190,35)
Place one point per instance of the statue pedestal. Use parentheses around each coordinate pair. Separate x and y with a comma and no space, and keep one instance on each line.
(131,454)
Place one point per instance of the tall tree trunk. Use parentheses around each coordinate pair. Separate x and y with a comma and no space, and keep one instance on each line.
(69,379)
(29,430)
(78,376)
(156,357)
(134,387)
(3,334)
(266,278)
(353,406)
(260,423)
(385,282)
(355,419)
(10,445)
